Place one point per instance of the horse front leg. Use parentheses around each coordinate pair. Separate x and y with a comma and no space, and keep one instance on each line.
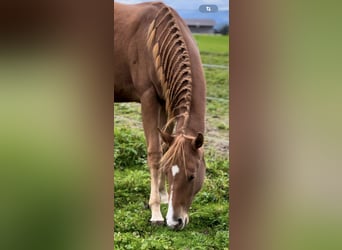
(164,198)
(150,108)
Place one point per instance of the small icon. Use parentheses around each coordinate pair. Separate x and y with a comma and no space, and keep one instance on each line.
(207,8)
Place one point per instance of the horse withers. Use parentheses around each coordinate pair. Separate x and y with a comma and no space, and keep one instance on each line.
(157,63)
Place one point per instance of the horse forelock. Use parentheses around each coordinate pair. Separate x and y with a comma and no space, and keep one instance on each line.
(176,153)
(172,63)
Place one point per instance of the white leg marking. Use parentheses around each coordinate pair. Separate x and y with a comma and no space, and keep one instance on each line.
(155,199)
(156,214)
(164,198)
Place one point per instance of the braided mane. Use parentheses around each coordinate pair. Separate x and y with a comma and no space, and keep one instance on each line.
(172,64)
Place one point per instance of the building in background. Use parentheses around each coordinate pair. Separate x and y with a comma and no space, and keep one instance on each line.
(198,25)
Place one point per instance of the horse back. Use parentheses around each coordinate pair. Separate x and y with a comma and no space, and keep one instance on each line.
(133,63)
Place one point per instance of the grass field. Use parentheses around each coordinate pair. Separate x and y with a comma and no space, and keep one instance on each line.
(209,220)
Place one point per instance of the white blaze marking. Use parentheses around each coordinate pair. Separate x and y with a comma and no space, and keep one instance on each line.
(175,170)
(169,216)
(170,212)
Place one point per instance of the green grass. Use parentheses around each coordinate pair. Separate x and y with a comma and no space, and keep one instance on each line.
(215,44)
(214,49)
(208,228)
(209,220)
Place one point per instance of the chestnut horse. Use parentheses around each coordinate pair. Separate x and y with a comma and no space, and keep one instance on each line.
(157,63)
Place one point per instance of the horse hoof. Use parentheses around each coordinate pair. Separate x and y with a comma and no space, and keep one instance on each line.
(157,223)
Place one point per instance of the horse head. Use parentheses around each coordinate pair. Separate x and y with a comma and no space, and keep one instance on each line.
(184,167)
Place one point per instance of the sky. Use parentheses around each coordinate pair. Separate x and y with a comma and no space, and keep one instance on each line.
(189,4)
(189,9)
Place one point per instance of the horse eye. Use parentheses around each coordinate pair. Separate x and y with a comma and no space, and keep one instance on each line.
(191,177)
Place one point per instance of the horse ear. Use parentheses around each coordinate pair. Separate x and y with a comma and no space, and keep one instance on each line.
(167,138)
(198,141)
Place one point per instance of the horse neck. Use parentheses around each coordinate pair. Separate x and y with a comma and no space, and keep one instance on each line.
(193,122)
(196,120)
(178,68)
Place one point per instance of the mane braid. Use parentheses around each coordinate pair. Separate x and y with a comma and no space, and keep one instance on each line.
(172,65)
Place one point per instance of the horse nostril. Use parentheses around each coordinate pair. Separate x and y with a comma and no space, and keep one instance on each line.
(180,221)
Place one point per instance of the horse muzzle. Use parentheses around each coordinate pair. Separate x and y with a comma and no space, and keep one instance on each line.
(179,223)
